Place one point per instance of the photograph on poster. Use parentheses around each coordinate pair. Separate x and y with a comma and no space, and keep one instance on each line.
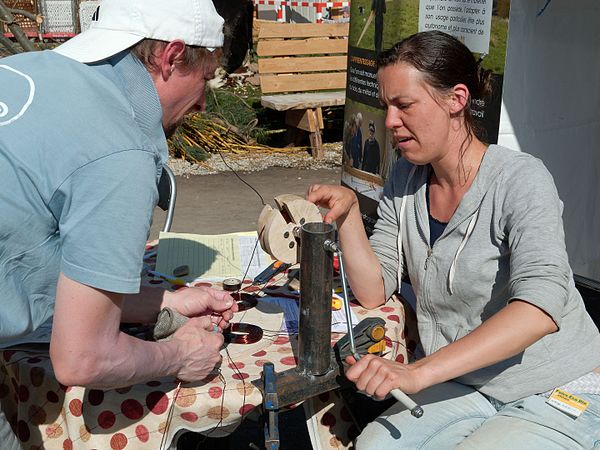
(374,24)
(368,153)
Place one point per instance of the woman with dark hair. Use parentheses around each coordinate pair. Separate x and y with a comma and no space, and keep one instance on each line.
(477,230)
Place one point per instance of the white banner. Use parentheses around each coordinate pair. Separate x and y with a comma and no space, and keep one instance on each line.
(470,21)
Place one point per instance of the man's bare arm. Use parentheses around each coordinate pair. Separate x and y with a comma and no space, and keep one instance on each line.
(88,349)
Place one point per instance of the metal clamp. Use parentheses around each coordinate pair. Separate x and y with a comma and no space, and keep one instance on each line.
(271,406)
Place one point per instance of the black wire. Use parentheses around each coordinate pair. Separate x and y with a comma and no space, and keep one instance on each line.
(224,381)
(253,251)
(212,430)
(543,8)
(262,200)
(235,368)
(240,178)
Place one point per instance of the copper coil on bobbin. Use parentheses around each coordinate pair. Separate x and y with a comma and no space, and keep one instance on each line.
(242,333)
(244,301)
(232,284)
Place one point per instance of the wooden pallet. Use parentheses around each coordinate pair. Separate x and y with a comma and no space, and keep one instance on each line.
(302,68)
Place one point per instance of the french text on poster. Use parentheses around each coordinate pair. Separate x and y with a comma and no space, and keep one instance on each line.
(362,77)
(468,20)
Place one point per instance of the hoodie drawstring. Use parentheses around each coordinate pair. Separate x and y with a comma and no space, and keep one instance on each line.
(401,221)
(460,249)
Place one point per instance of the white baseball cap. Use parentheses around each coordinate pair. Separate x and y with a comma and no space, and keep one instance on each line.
(121,24)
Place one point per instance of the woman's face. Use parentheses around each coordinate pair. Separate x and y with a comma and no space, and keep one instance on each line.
(419,120)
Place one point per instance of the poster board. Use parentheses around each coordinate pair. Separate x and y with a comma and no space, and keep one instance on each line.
(376,25)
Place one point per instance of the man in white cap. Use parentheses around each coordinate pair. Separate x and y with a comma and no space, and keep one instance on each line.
(82,145)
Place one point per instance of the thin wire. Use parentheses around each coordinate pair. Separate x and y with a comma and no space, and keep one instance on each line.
(240,178)
(253,249)
(543,8)
(262,200)
(231,362)
(206,435)
(170,416)
(224,381)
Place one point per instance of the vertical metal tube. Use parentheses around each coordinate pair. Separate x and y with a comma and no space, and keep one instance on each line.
(316,278)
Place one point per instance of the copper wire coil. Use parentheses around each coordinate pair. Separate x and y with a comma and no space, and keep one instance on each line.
(244,301)
(242,333)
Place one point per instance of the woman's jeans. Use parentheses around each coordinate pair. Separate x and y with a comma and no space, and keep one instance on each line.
(457,416)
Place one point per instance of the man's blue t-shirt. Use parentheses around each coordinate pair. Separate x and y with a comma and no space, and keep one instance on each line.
(81,149)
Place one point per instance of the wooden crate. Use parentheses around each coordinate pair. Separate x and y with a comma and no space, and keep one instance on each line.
(302,68)
(27,25)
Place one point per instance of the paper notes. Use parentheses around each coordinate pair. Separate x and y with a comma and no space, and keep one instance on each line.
(211,256)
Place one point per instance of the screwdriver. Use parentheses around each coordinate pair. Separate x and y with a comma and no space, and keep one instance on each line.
(273,269)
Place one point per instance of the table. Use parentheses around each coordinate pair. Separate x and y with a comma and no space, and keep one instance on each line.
(46,414)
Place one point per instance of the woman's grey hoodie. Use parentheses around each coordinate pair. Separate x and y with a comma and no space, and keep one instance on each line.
(504,242)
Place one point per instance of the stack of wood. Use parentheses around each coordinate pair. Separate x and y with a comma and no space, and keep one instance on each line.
(18,19)
(200,135)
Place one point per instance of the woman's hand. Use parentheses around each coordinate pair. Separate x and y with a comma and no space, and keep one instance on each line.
(362,267)
(377,376)
(203,301)
(338,199)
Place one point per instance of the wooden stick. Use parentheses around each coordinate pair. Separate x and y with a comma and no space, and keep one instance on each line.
(7,17)
(369,20)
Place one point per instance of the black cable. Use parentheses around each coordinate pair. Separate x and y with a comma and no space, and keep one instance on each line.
(240,178)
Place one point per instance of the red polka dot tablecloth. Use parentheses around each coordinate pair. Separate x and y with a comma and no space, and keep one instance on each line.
(47,415)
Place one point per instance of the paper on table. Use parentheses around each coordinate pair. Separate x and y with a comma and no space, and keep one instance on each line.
(291,314)
(211,256)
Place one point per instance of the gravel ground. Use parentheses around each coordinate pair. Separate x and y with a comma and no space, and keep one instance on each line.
(252,162)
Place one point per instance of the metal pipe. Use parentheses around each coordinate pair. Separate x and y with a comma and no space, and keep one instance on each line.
(336,249)
(316,280)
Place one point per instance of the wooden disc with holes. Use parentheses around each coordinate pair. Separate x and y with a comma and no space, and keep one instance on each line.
(298,210)
(264,218)
(278,239)
(276,226)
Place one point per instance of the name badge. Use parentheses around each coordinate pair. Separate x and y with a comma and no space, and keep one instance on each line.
(567,403)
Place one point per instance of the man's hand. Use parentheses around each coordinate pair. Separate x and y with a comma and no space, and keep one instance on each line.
(198,348)
(203,301)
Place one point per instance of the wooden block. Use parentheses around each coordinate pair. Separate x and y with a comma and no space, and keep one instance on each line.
(310,120)
(302,64)
(303,82)
(312,46)
(316,143)
(298,30)
(303,100)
